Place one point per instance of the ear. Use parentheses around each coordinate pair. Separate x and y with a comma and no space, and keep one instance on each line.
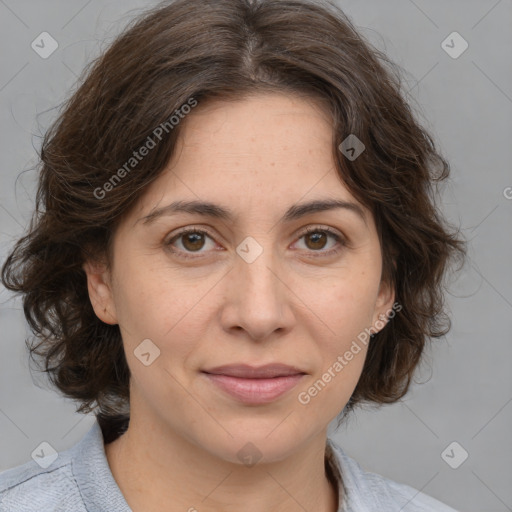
(383,305)
(100,291)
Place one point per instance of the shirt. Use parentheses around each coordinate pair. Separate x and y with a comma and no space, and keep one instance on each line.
(80,480)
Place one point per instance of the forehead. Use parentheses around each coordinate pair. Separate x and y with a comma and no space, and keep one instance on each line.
(269,125)
(261,154)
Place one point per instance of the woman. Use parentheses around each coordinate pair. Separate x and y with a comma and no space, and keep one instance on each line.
(237,242)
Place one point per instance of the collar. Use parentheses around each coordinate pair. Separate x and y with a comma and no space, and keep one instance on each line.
(98,486)
(93,475)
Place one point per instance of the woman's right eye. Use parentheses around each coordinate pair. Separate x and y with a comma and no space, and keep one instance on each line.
(192,241)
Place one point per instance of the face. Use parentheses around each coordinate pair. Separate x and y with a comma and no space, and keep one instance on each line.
(257,288)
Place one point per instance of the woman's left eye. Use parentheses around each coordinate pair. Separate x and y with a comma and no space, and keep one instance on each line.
(318,236)
(193,240)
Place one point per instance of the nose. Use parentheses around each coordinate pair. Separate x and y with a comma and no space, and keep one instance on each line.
(257,298)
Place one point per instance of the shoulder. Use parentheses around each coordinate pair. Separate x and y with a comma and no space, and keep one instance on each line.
(45,486)
(77,480)
(368,492)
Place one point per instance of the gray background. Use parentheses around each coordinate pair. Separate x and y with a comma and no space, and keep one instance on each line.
(463,391)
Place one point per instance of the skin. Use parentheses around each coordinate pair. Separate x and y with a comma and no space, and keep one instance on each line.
(293,305)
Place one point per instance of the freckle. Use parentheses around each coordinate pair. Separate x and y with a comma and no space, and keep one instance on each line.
(272,164)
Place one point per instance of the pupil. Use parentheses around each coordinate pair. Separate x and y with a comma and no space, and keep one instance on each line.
(317,236)
(190,243)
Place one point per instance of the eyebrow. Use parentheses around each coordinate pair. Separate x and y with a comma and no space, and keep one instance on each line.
(216,211)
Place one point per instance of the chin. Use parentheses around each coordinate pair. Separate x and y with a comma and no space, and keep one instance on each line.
(253,441)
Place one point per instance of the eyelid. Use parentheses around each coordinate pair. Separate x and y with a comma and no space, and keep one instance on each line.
(193,229)
(319,227)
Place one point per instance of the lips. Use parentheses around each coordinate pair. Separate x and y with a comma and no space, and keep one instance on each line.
(255,385)
(245,371)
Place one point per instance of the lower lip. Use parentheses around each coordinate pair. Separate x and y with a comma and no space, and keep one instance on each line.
(255,391)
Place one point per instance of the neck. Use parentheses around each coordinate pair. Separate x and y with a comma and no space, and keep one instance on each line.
(152,467)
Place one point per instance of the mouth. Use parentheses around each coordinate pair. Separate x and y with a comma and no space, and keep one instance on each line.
(255,385)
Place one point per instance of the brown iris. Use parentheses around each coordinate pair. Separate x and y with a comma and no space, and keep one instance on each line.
(193,241)
(318,237)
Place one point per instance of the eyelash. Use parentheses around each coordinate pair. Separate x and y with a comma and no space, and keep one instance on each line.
(339,239)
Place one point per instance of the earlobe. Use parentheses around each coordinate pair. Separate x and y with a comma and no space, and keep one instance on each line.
(100,293)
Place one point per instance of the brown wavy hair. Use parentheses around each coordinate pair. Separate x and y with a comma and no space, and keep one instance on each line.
(225,49)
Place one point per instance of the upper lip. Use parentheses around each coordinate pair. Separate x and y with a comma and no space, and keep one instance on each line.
(246,371)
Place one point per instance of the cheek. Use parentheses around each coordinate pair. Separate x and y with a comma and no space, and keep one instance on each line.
(177,322)
(326,393)
(148,302)
(347,306)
